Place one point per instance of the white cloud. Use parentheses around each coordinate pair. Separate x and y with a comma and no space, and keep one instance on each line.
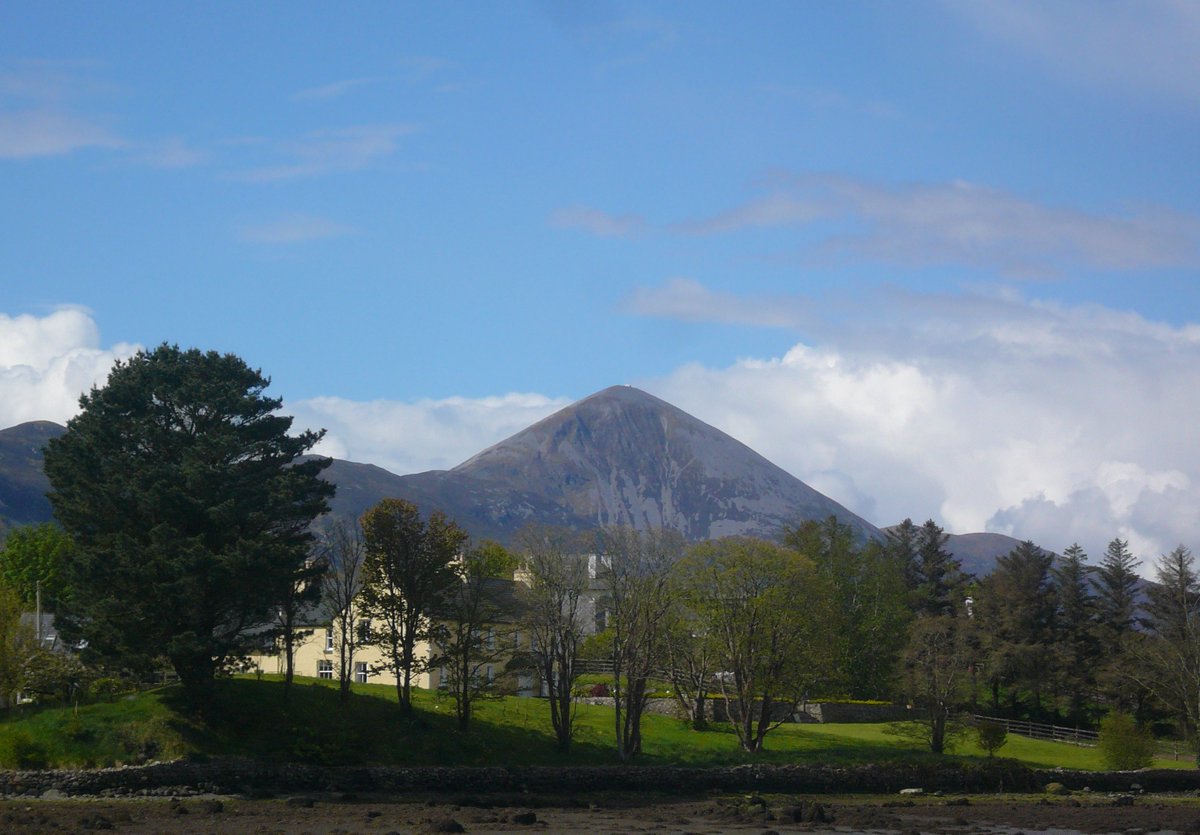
(294,229)
(1048,422)
(414,437)
(47,362)
(1146,47)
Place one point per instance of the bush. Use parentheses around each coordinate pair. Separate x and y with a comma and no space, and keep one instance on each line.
(991,736)
(1123,745)
(21,751)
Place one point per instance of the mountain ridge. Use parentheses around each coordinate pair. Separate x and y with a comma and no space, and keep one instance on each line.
(618,456)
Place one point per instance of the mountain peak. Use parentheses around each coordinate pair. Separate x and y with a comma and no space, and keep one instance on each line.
(623,456)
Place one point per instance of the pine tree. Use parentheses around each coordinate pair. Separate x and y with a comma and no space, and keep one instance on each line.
(941,582)
(1016,610)
(1075,631)
(189,506)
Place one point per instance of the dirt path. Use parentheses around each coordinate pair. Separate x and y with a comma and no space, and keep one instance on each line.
(321,815)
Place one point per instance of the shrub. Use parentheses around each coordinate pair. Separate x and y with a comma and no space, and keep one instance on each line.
(992,736)
(21,751)
(1123,745)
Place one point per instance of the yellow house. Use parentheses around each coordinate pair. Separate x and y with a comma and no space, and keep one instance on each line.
(315,654)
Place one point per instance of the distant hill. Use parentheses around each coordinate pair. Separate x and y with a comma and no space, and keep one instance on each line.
(23,485)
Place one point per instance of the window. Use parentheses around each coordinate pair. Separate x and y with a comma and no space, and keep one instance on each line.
(364,631)
(491,674)
(329,639)
(324,669)
(360,672)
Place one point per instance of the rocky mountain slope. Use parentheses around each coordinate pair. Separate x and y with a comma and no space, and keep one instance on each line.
(23,485)
(618,457)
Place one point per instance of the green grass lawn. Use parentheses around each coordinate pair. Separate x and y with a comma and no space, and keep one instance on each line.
(312,725)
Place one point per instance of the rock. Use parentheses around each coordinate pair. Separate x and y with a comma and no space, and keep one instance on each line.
(444,825)
(912,791)
(54,794)
(1123,800)
(1056,788)
(301,802)
(213,807)
(526,818)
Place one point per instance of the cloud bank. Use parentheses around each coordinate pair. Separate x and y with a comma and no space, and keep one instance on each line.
(47,362)
(1047,422)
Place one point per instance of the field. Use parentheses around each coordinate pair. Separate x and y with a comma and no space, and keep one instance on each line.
(253,719)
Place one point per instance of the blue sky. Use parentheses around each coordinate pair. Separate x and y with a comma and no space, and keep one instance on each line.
(936,259)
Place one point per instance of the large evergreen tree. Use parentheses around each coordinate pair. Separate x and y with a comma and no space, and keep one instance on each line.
(1117,609)
(941,583)
(189,505)
(1075,631)
(1016,609)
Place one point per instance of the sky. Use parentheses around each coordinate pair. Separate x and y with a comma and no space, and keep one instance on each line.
(936,259)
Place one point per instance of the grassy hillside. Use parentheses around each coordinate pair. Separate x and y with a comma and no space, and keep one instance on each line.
(312,726)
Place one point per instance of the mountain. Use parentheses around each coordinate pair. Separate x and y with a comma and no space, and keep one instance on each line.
(978,552)
(23,485)
(620,456)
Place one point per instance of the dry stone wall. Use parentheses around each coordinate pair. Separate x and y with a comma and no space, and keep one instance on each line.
(254,778)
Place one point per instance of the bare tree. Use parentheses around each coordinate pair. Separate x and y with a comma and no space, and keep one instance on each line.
(1167,657)
(343,551)
(557,608)
(691,661)
(406,572)
(476,632)
(633,579)
(936,674)
(298,596)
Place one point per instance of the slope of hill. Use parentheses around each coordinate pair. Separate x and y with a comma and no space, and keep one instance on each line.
(23,485)
(620,456)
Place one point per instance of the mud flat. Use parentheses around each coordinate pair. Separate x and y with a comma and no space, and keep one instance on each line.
(606,813)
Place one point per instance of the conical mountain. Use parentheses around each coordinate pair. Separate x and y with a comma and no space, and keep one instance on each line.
(620,456)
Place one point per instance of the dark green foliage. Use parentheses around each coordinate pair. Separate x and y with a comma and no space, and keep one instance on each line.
(1116,590)
(1016,608)
(1116,598)
(1076,641)
(867,607)
(189,507)
(991,736)
(19,750)
(1124,746)
(941,584)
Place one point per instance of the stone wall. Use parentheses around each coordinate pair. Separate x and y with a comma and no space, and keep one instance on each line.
(247,777)
(844,712)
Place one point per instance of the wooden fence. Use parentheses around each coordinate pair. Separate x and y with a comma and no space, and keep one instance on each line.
(1167,749)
